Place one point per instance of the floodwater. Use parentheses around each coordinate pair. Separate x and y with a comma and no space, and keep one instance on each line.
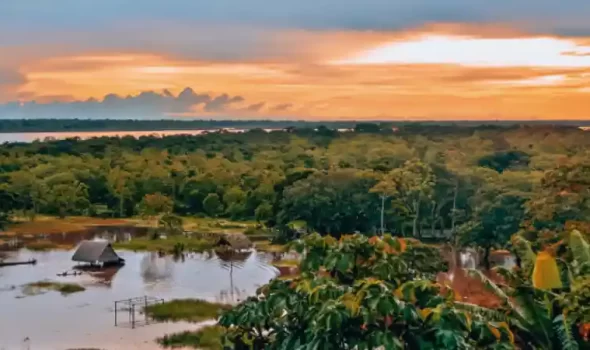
(86,319)
(41,136)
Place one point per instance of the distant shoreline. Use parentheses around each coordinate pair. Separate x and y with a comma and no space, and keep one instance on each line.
(119,125)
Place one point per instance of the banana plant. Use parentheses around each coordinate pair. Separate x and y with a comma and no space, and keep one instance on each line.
(546,301)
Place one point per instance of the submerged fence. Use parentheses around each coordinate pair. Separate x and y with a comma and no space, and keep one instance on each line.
(132,306)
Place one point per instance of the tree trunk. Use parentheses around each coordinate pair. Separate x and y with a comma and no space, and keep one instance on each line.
(433,218)
(382,214)
(454,210)
(416,218)
(121,205)
(486,258)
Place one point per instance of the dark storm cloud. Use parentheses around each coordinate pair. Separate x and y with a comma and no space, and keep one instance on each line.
(146,105)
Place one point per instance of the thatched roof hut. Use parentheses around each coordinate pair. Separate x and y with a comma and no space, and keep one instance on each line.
(234,241)
(96,252)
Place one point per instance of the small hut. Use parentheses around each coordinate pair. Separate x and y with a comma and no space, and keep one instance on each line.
(233,241)
(97,253)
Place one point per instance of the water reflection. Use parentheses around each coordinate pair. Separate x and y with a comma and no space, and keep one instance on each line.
(156,268)
(226,278)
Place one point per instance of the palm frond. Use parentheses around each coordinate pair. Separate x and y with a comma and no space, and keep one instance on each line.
(564,332)
(524,251)
(579,247)
(496,290)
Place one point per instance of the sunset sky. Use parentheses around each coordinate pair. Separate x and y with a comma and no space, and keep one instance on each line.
(320,59)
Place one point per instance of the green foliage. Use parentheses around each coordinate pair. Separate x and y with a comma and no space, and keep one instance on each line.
(263,212)
(155,204)
(212,205)
(358,293)
(543,319)
(64,288)
(171,224)
(332,203)
(165,245)
(7,204)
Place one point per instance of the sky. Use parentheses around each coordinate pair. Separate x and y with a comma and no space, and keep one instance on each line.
(304,59)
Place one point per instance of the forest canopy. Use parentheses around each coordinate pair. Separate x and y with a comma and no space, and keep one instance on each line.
(418,180)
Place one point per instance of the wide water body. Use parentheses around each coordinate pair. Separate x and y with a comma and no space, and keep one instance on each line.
(86,319)
(41,136)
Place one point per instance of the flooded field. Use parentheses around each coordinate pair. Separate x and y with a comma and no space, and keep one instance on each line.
(86,319)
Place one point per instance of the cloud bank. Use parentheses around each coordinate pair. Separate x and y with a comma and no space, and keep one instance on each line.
(146,105)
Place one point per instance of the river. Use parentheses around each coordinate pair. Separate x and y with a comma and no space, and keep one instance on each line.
(86,319)
(41,136)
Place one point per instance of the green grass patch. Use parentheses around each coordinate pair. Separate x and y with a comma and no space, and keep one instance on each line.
(207,338)
(165,244)
(42,286)
(266,246)
(189,310)
(286,263)
(42,245)
(52,225)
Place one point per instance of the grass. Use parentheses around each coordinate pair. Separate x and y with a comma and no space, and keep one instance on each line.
(63,288)
(189,310)
(52,225)
(207,338)
(266,246)
(212,225)
(165,244)
(41,245)
(286,263)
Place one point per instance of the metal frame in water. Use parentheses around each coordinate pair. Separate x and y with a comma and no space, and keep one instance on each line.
(131,305)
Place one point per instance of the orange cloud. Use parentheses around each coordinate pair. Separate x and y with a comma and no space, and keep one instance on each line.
(344,75)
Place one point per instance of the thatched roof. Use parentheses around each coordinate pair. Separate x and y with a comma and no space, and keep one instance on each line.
(95,251)
(236,241)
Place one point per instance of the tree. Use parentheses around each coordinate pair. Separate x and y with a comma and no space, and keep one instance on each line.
(171,224)
(7,203)
(335,202)
(119,182)
(498,210)
(212,205)
(263,212)
(235,202)
(564,195)
(409,187)
(29,191)
(66,195)
(359,293)
(153,205)
(495,220)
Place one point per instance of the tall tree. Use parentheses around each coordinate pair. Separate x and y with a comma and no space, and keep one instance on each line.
(212,204)
(153,205)
(119,183)
(409,187)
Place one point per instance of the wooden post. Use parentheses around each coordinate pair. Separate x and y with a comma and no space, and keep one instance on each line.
(133,316)
(115,314)
(145,309)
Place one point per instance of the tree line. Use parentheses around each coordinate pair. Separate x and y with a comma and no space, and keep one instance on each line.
(420,181)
